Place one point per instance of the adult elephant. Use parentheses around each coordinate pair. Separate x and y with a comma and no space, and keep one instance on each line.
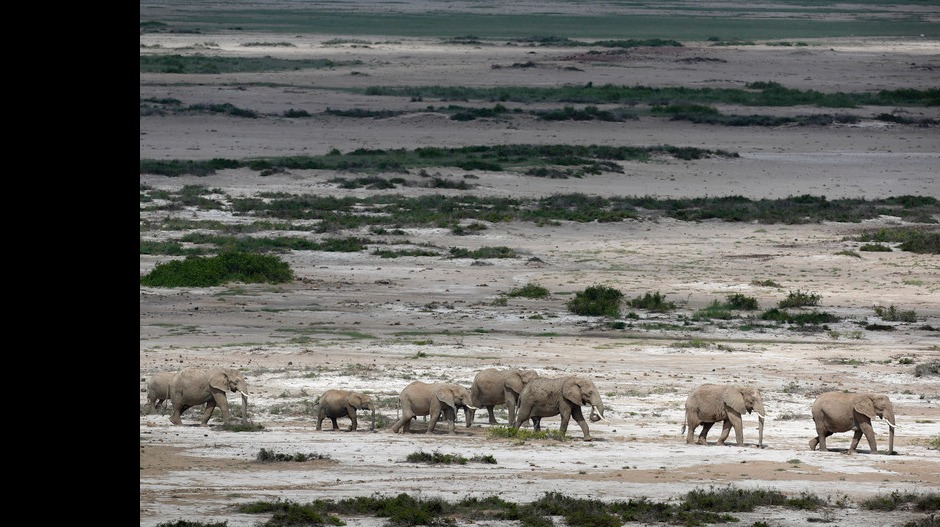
(334,404)
(492,387)
(196,385)
(158,388)
(711,403)
(564,396)
(842,412)
(434,400)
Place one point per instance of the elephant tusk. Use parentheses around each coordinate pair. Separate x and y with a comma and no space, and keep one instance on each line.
(472,407)
(892,425)
(759,414)
(601,417)
(243,394)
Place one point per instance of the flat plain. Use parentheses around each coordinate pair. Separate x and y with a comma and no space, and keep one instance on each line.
(362,321)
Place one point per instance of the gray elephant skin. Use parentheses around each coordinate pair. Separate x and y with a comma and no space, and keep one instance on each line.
(158,388)
(844,412)
(434,400)
(335,403)
(564,396)
(493,387)
(726,403)
(197,385)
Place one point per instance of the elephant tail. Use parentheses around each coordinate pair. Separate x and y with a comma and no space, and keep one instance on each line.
(683,429)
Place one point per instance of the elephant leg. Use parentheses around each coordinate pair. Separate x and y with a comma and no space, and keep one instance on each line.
(489,410)
(222,403)
(210,407)
(813,442)
(334,423)
(320,417)
(579,418)
(354,424)
(704,433)
(691,424)
(870,436)
(536,424)
(435,416)
(856,436)
(512,411)
(823,434)
(725,432)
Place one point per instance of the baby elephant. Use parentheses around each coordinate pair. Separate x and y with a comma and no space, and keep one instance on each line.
(334,404)
(158,388)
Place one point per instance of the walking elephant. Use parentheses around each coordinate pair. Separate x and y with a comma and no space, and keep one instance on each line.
(492,387)
(842,412)
(334,404)
(711,403)
(196,385)
(158,388)
(551,396)
(435,400)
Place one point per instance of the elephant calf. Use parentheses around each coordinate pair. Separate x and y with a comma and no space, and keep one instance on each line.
(196,385)
(334,404)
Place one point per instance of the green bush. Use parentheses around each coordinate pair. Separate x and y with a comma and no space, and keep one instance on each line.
(198,271)
(739,301)
(596,301)
(928,368)
(799,299)
(892,314)
(652,302)
(531,290)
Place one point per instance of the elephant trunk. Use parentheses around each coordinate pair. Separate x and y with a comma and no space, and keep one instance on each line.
(244,406)
(889,417)
(759,410)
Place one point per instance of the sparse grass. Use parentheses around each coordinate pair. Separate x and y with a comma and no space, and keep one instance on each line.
(927,368)
(436,457)
(239,426)
(875,248)
(924,502)
(655,302)
(916,239)
(523,434)
(766,283)
(892,314)
(799,299)
(849,253)
(267,456)
(483,252)
(205,64)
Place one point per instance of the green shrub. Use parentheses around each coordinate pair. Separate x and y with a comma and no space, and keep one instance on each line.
(198,271)
(596,301)
(739,301)
(928,368)
(875,248)
(267,456)
(892,314)
(799,299)
(652,302)
(530,290)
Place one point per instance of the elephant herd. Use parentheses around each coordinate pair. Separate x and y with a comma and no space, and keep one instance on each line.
(529,396)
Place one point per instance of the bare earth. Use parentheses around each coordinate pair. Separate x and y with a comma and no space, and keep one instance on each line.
(362,322)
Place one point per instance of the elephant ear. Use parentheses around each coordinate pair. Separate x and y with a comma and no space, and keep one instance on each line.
(446,396)
(572,391)
(514,381)
(865,406)
(219,380)
(734,399)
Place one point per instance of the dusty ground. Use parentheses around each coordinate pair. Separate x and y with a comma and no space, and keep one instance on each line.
(362,322)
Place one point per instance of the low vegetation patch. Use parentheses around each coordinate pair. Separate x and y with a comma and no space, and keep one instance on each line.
(927,368)
(530,290)
(267,456)
(654,301)
(697,507)
(916,239)
(197,271)
(447,459)
(893,314)
(799,299)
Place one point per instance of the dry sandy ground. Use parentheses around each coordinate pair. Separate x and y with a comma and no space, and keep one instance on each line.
(362,322)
